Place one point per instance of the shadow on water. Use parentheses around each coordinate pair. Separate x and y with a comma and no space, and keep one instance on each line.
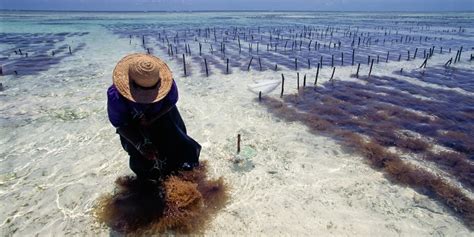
(183,203)
(374,114)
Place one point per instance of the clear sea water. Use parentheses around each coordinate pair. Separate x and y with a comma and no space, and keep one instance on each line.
(59,153)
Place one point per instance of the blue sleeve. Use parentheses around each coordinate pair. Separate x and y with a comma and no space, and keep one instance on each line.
(117,108)
(172,97)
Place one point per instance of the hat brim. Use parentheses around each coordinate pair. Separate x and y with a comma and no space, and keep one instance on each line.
(126,87)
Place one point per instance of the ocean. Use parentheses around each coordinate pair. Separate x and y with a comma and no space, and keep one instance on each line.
(369,133)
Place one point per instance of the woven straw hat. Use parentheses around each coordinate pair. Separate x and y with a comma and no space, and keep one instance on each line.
(142,78)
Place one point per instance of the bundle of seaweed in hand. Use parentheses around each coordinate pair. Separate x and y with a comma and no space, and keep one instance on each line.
(184,203)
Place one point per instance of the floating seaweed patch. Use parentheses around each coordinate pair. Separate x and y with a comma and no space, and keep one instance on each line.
(183,203)
(68,114)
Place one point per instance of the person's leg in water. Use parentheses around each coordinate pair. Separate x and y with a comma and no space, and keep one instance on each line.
(170,137)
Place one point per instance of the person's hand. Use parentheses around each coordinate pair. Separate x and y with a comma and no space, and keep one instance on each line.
(148,151)
(144,122)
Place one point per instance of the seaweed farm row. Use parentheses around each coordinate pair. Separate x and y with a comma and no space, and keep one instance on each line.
(31,53)
(275,42)
(385,119)
(293,46)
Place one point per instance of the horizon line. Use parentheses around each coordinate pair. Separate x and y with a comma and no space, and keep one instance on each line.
(262,10)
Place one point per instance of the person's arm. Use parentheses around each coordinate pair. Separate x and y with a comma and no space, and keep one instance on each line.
(132,133)
(119,116)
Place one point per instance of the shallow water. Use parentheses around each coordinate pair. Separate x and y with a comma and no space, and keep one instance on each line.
(59,153)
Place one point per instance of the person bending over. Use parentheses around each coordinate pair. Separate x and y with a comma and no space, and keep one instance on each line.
(141,104)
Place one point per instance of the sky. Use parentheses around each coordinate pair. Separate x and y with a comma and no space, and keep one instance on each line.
(275,5)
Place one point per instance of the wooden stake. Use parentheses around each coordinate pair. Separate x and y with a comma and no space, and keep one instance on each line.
(259,96)
(353,55)
(70,52)
(448,62)
(227,67)
(238,143)
(333,70)
(423,65)
(184,65)
(296,64)
(358,68)
(260,64)
(371,65)
(282,85)
(250,63)
(317,74)
(207,70)
(460,52)
(298,81)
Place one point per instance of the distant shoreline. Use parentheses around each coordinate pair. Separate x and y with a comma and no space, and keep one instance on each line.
(230,11)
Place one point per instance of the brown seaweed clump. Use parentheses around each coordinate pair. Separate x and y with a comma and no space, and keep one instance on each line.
(184,203)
